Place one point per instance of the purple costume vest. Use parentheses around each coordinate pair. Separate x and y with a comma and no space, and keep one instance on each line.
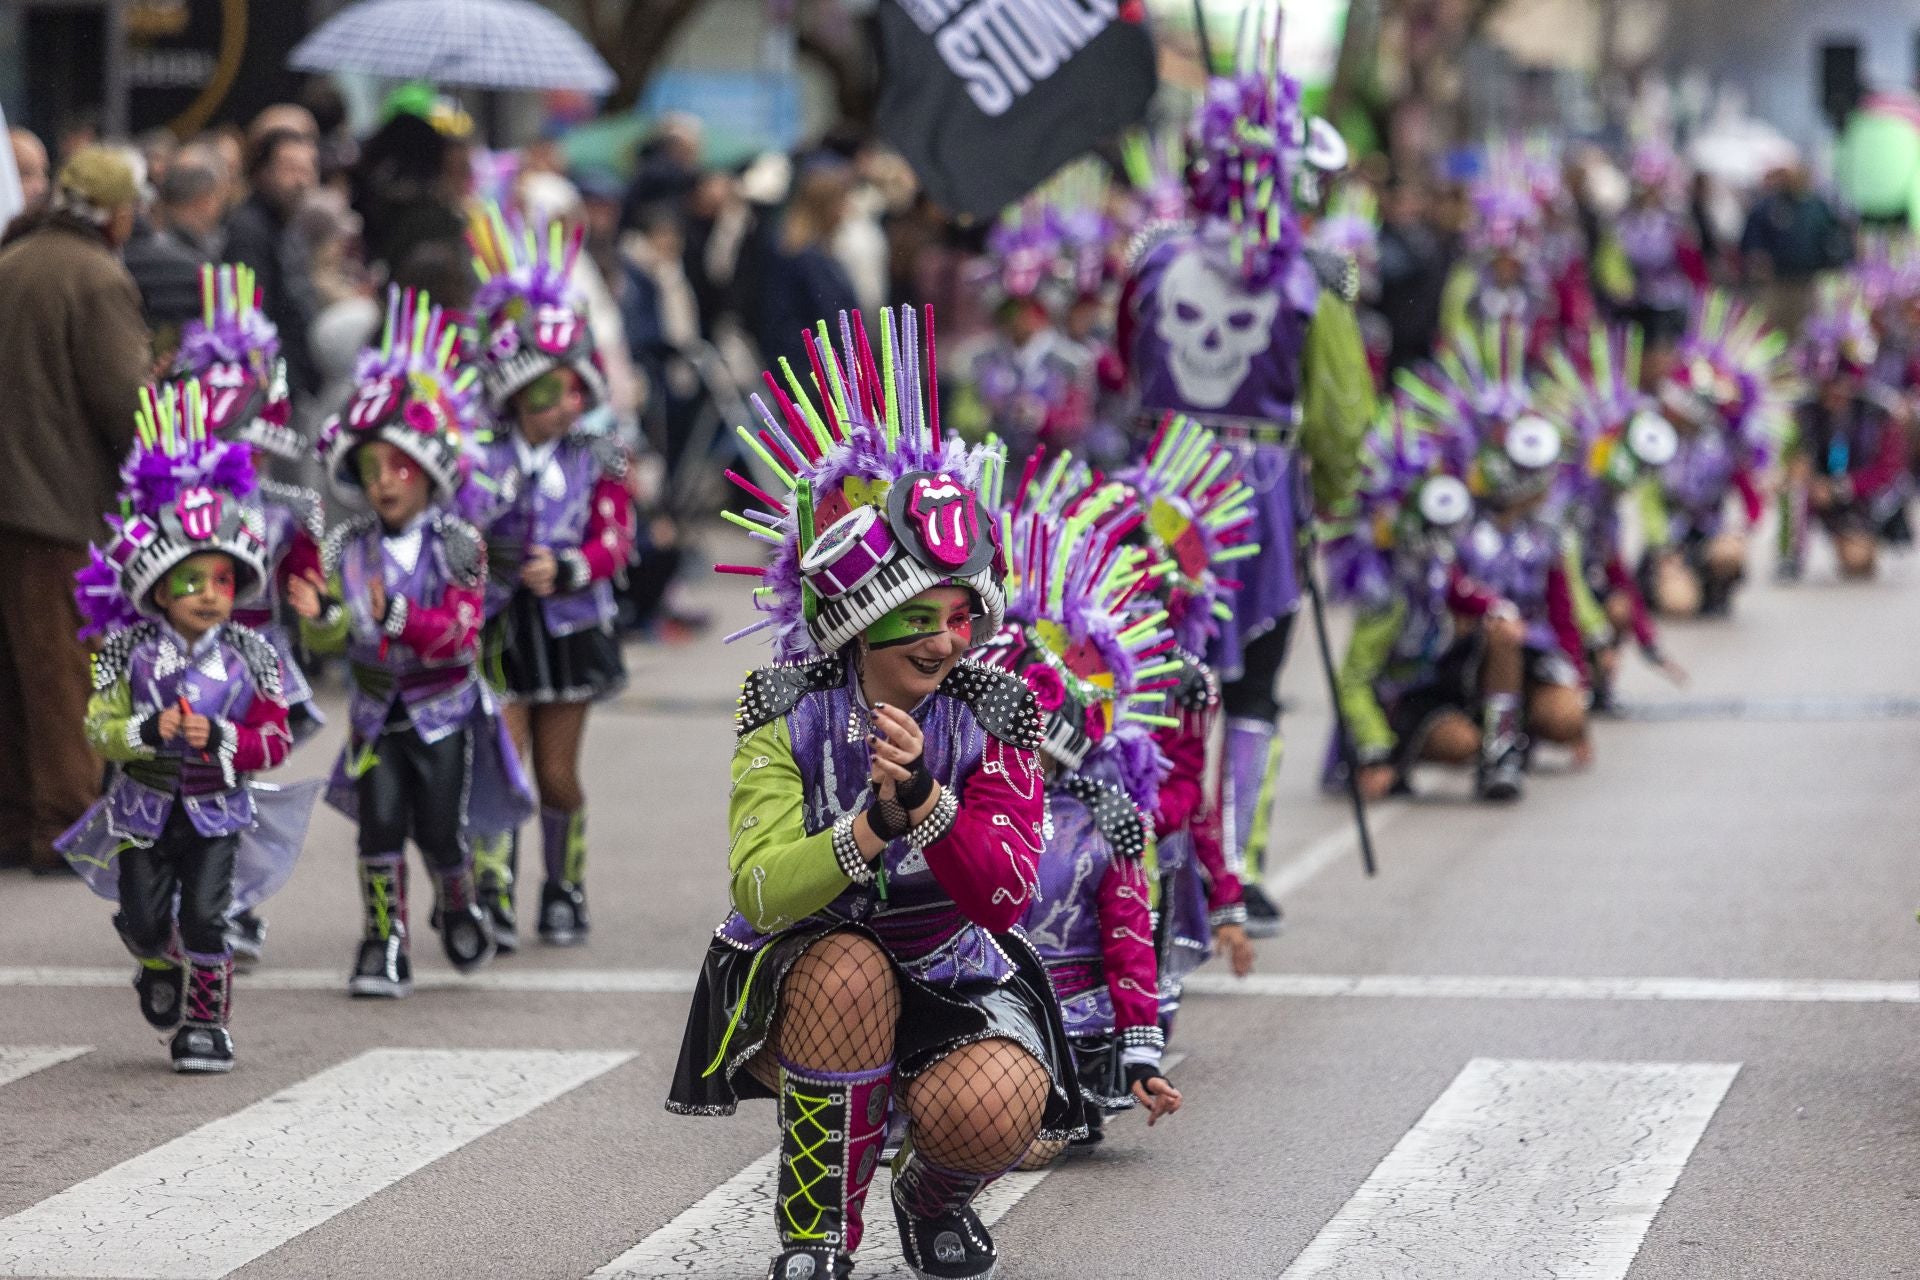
(1516,563)
(917,921)
(549,509)
(1650,242)
(1696,483)
(1063,924)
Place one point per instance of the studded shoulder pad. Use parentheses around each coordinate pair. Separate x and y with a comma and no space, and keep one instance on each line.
(335,543)
(463,553)
(770,692)
(263,664)
(1000,701)
(302,501)
(1338,274)
(1198,688)
(1118,818)
(110,664)
(609,453)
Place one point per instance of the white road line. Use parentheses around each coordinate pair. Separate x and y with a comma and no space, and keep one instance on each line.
(1524,1169)
(215,1199)
(729,1232)
(1337,845)
(17,1060)
(1267,985)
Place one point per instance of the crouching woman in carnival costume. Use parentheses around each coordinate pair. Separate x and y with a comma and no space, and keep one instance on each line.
(884,829)
(427,755)
(1099,671)
(559,528)
(187,704)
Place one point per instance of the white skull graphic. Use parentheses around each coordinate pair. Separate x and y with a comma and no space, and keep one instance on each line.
(1212,329)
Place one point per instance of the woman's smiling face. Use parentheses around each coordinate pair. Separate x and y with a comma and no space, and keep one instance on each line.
(912,649)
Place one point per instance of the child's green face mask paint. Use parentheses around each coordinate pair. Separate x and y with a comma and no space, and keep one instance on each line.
(918,619)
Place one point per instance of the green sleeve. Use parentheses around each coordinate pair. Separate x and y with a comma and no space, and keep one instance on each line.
(1652,501)
(1612,274)
(1374,634)
(1337,401)
(780,874)
(109,712)
(328,632)
(1455,322)
(1588,613)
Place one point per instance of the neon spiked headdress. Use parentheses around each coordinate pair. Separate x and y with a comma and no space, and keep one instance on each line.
(871,503)
(1838,337)
(415,393)
(181,493)
(1024,246)
(1409,484)
(1084,630)
(524,305)
(1155,165)
(1618,434)
(1886,271)
(1198,518)
(1729,362)
(1351,228)
(1475,397)
(1505,202)
(235,350)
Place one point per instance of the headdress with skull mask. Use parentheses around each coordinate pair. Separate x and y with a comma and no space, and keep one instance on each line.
(528,323)
(234,350)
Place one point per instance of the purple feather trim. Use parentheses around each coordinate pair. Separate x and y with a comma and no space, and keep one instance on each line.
(96,591)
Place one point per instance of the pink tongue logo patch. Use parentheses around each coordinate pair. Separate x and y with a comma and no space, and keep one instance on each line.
(942,511)
(376,403)
(199,512)
(555,330)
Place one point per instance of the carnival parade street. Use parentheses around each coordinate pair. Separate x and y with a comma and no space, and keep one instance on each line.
(1691,988)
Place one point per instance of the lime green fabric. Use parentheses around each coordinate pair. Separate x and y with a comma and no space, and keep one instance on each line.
(1374,634)
(323,636)
(779,873)
(1336,402)
(108,713)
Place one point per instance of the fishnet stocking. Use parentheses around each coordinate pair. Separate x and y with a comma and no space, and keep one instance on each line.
(547,736)
(838,1007)
(977,1109)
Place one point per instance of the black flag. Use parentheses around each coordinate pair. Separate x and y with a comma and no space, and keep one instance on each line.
(986,98)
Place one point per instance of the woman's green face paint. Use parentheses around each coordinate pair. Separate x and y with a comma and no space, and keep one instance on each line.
(918,619)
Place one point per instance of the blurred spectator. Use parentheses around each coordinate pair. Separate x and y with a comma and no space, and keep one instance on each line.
(288,116)
(158,147)
(402,191)
(1414,265)
(662,319)
(802,282)
(338,149)
(30,159)
(349,313)
(171,243)
(666,168)
(282,168)
(860,244)
(1792,236)
(716,223)
(77,131)
(232,150)
(77,355)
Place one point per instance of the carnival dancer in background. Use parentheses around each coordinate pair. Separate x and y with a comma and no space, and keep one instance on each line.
(1099,671)
(234,351)
(559,528)
(1620,444)
(1847,462)
(427,756)
(1230,320)
(1727,390)
(1349,231)
(187,703)
(1650,265)
(1502,277)
(885,827)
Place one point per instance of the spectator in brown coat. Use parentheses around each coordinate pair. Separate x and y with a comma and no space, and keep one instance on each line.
(76,353)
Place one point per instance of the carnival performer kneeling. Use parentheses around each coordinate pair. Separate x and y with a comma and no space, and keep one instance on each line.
(885,824)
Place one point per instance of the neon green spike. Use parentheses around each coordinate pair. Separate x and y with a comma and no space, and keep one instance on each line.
(448,340)
(1241,552)
(753,528)
(834,387)
(886,375)
(816,426)
(753,443)
(1146,625)
(1159,722)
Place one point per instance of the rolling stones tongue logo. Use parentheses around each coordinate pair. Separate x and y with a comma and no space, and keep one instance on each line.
(199,512)
(376,403)
(556,330)
(943,515)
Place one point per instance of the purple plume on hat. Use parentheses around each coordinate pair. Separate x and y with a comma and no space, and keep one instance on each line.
(231,327)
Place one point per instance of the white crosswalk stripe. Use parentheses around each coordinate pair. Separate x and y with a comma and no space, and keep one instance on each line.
(1525,1169)
(215,1199)
(20,1060)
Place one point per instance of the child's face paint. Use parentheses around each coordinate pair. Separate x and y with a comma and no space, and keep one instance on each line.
(928,635)
(921,618)
(197,594)
(396,485)
(550,405)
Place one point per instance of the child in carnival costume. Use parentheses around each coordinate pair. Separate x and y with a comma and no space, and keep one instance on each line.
(1099,669)
(1413,682)
(427,755)
(559,530)
(1727,389)
(1847,461)
(1519,581)
(187,704)
(885,825)
(1231,320)
(1503,276)
(1650,262)
(1195,514)
(1621,442)
(234,350)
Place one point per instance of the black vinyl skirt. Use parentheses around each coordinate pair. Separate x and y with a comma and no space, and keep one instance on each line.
(1103,1076)
(527,663)
(738,993)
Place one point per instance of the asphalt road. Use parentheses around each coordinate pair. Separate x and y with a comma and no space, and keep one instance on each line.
(1723,1076)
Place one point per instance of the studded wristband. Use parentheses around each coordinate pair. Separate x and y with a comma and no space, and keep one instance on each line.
(396,619)
(1236,913)
(937,823)
(1143,1038)
(846,851)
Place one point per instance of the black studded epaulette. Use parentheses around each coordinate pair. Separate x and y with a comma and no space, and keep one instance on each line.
(608,451)
(1199,688)
(302,501)
(110,664)
(1000,701)
(262,662)
(770,692)
(1118,818)
(339,536)
(463,553)
(1338,274)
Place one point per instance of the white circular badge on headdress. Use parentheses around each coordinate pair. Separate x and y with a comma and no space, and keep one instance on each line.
(1444,501)
(1652,439)
(1532,443)
(1326,150)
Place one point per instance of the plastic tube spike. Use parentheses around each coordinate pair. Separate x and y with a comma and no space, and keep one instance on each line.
(759,449)
(890,388)
(753,530)
(931,377)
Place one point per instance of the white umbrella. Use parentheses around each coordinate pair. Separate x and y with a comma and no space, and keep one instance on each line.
(12,200)
(481,44)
